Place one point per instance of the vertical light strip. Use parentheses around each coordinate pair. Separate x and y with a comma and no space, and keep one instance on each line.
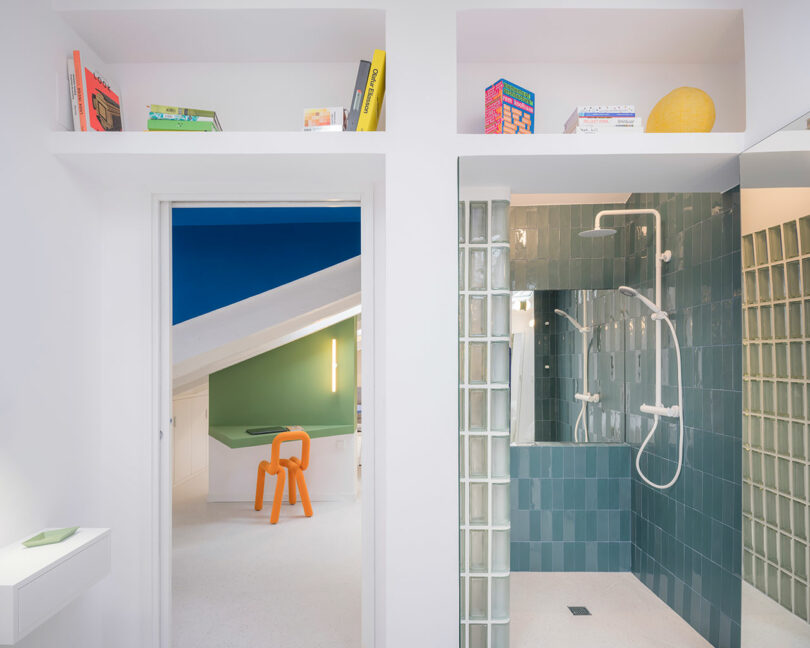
(334,365)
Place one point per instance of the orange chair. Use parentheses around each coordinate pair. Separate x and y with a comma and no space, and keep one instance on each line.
(295,469)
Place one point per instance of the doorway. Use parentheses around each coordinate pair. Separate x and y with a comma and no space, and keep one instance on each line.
(234,595)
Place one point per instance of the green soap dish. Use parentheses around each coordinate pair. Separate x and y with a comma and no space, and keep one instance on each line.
(50,537)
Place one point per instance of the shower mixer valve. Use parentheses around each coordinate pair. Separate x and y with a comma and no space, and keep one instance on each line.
(673,411)
(587,397)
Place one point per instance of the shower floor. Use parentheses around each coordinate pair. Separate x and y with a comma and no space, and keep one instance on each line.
(624,613)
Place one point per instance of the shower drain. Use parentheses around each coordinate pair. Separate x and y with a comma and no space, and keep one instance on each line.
(579,610)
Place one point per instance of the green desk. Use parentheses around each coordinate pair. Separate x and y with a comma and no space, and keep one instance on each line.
(234,455)
(235,436)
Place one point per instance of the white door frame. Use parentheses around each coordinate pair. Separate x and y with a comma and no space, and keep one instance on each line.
(161,450)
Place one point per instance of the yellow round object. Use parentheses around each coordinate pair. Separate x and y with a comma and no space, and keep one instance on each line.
(684,110)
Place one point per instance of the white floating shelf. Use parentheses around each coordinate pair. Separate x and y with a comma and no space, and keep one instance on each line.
(37,582)
(134,143)
(642,162)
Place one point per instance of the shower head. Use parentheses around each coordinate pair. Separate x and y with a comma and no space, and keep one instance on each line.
(577,325)
(632,292)
(597,232)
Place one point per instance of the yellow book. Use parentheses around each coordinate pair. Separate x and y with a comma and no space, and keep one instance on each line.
(373,97)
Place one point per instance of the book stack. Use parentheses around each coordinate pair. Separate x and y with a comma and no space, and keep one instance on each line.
(364,107)
(177,118)
(367,97)
(508,108)
(603,119)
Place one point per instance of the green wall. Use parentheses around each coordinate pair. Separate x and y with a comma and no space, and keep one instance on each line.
(290,385)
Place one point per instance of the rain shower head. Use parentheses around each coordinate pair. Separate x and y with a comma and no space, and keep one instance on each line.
(632,292)
(577,325)
(597,232)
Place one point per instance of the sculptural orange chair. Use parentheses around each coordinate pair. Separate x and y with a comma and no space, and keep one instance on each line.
(295,469)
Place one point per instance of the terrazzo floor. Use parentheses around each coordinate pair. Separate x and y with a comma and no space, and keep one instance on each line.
(624,613)
(239,581)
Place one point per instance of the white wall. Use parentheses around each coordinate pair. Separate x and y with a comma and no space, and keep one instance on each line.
(189,434)
(50,260)
(763,208)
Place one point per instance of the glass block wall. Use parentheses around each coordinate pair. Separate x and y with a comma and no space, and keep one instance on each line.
(776,396)
(484,314)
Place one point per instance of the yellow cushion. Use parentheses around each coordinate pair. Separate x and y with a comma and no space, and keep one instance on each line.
(684,110)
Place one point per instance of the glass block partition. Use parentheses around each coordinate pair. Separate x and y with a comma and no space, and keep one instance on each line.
(776,401)
(484,313)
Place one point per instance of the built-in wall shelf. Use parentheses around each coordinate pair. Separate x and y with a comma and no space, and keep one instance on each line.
(574,56)
(644,162)
(37,582)
(258,68)
(71,143)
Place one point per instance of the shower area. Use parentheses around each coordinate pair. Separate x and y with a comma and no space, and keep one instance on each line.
(625,418)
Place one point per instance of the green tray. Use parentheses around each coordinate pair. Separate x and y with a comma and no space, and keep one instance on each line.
(50,537)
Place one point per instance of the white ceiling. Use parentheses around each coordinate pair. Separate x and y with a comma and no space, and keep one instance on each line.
(604,35)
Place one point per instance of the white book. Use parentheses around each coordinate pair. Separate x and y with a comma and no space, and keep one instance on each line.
(596,130)
(74,94)
(625,110)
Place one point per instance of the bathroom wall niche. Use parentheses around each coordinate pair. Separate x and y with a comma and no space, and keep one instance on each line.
(568,282)
(560,366)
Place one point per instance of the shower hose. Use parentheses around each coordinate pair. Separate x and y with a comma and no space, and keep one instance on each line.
(657,419)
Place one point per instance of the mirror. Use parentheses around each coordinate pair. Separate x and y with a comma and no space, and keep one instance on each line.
(568,322)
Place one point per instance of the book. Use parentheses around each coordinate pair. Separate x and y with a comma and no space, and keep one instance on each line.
(508,108)
(157,115)
(599,111)
(374,93)
(325,119)
(76,88)
(188,112)
(179,125)
(356,102)
(103,105)
(604,124)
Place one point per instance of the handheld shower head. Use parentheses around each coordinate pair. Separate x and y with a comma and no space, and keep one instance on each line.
(597,232)
(632,292)
(577,325)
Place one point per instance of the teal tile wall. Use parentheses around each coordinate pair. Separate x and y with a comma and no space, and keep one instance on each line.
(570,508)
(547,253)
(776,396)
(687,541)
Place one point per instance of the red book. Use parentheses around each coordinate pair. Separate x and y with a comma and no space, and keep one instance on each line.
(103,105)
